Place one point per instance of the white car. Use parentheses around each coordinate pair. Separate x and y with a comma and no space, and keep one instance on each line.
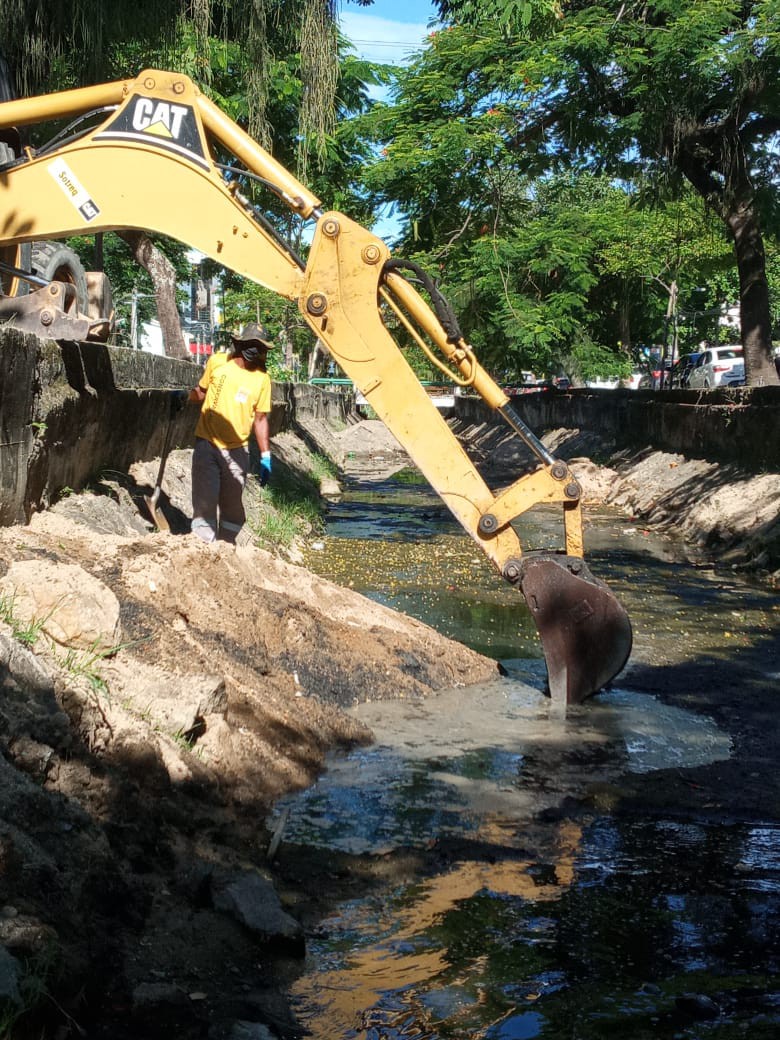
(714,366)
(736,376)
(603,384)
(632,382)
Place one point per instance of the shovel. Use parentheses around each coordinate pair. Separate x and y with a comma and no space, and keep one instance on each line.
(151,500)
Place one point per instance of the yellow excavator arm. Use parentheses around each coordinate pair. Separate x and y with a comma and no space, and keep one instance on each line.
(150,163)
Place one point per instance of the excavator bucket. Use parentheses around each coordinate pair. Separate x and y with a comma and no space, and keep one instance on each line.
(585,632)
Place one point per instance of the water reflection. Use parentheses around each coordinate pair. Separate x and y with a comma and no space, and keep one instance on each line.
(587,928)
(632,933)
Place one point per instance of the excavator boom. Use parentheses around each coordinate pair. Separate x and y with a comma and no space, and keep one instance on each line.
(151,163)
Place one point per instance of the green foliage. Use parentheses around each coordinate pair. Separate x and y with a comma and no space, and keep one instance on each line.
(291,515)
(322,468)
(538,262)
(85,664)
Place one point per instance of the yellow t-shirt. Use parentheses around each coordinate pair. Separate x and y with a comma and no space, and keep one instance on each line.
(233,395)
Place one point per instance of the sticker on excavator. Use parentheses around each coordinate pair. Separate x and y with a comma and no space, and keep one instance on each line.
(160,123)
(73,189)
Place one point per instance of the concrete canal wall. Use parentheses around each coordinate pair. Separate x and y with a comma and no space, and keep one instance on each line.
(70,411)
(740,426)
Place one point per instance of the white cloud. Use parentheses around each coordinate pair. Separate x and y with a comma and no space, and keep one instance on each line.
(381,39)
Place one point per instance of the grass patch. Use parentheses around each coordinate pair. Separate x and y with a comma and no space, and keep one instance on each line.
(25,632)
(322,468)
(285,517)
(85,664)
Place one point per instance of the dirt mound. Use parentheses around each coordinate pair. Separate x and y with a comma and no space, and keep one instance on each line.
(138,769)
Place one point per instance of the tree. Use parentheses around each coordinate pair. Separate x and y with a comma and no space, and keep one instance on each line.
(661,90)
(77,42)
(547,270)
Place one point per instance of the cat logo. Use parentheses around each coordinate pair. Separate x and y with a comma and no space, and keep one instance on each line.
(158,117)
(160,123)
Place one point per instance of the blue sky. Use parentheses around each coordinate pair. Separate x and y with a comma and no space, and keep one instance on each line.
(388,30)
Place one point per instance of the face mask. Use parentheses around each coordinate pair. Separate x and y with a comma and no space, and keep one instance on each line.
(254,357)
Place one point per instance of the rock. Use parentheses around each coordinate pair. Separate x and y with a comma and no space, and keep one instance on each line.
(31,757)
(10,969)
(178,704)
(250,1031)
(25,668)
(252,900)
(272,1008)
(68,604)
(697,1005)
(26,936)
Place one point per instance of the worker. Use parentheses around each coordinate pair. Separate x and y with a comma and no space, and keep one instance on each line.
(235,391)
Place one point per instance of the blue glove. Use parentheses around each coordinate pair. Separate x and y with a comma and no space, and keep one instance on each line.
(265,467)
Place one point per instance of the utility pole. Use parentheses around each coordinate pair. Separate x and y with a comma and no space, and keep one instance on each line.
(134,319)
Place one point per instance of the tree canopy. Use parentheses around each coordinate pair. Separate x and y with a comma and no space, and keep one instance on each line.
(653,95)
(566,171)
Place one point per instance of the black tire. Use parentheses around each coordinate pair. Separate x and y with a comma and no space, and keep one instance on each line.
(58,263)
(16,256)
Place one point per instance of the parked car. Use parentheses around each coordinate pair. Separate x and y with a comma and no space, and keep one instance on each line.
(683,368)
(714,366)
(736,377)
(632,382)
(603,384)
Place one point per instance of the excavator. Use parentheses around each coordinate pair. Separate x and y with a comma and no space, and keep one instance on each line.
(155,153)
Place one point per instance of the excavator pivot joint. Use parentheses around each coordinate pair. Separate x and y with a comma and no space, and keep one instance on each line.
(512,571)
(317,304)
(487,524)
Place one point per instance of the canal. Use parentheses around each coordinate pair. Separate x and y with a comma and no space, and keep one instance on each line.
(544,909)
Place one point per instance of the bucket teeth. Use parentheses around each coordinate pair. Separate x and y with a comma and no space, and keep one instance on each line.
(585,632)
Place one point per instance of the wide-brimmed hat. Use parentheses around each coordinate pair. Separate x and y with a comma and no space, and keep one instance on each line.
(253,333)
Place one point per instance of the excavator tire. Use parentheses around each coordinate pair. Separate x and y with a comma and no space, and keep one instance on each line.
(16,256)
(59,263)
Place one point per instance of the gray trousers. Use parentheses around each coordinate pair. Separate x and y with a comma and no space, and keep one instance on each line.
(218,479)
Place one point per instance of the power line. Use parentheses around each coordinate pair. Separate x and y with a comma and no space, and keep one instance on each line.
(387,43)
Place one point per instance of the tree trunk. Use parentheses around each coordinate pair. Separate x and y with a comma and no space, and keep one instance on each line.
(314,358)
(730,194)
(755,315)
(163,275)
(624,322)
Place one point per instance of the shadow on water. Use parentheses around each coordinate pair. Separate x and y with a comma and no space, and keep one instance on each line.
(545,913)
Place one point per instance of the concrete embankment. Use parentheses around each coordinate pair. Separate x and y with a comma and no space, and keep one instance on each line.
(72,410)
(735,426)
(706,472)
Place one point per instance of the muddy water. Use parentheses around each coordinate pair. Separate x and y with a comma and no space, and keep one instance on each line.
(536,921)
